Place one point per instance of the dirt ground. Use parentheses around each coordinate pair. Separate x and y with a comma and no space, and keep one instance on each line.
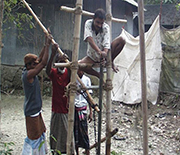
(163,127)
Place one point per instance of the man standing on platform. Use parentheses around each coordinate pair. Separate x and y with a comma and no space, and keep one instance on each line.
(97,35)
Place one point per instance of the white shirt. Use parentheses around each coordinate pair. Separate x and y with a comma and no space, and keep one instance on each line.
(80,101)
(102,40)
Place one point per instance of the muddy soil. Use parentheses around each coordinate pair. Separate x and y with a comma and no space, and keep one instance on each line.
(163,127)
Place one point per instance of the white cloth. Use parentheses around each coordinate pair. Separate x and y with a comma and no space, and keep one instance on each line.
(37,114)
(80,101)
(35,147)
(102,40)
(127,82)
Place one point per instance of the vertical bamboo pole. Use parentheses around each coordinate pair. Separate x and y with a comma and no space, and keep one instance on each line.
(100,107)
(143,75)
(109,83)
(1,45)
(76,40)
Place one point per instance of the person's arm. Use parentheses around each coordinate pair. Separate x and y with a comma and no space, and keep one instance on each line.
(43,49)
(90,113)
(93,45)
(33,72)
(90,108)
(53,53)
(41,54)
(106,41)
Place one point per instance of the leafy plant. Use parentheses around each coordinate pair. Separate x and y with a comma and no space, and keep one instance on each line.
(13,14)
(159,1)
(178,6)
(115,153)
(52,151)
(6,150)
(57,151)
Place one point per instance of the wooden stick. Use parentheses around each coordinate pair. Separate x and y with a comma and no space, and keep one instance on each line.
(86,13)
(74,76)
(67,64)
(59,50)
(108,82)
(80,65)
(143,75)
(112,133)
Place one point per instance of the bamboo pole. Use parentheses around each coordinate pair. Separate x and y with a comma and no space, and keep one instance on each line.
(143,75)
(100,107)
(1,46)
(112,133)
(59,50)
(86,13)
(108,82)
(76,40)
(81,65)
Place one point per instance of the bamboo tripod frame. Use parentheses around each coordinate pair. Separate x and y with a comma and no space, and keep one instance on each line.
(78,11)
(108,80)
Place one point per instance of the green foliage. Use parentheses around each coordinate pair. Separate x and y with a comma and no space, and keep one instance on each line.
(53,138)
(13,14)
(178,6)
(163,1)
(41,144)
(6,150)
(57,151)
(115,153)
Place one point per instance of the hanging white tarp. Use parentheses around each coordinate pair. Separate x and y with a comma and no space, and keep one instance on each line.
(127,82)
(132,2)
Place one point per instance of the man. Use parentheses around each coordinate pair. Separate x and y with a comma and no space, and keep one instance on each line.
(33,103)
(97,35)
(60,77)
(80,124)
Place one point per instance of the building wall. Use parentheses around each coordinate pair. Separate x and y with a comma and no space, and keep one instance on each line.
(169,15)
(61,25)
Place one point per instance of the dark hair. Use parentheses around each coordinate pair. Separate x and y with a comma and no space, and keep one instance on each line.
(100,13)
(61,58)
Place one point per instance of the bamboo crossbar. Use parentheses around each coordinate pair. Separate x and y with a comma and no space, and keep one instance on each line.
(92,87)
(86,13)
(59,50)
(63,64)
(81,65)
(112,133)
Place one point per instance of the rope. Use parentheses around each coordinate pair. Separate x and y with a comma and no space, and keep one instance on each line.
(78,10)
(108,86)
(70,88)
(74,65)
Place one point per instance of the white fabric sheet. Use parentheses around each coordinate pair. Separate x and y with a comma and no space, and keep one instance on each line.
(127,82)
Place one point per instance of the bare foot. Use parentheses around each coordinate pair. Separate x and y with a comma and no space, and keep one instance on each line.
(115,68)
